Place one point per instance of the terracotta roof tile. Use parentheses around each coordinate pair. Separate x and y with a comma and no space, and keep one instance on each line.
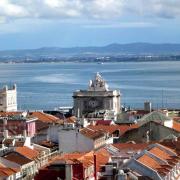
(17,158)
(148,161)
(5,171)
(104,122)
(27,152)
(123,146)
(92,134)
(71,119)
(155,164)
(113,128)
(4,114)
(45,117)
(159,153)
(87,159)
(41,125)
(176,126)
(102,158)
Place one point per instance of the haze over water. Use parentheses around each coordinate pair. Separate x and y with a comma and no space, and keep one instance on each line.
(50,85)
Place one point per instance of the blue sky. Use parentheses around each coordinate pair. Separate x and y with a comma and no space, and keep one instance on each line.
(66,23)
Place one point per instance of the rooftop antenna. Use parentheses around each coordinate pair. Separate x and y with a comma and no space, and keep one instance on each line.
(162,99)
(166,102)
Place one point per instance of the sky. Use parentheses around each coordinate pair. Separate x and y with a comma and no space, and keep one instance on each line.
(29,24)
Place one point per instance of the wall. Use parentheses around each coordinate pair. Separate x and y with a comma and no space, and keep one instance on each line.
(8,99)
(8,163)
(145,171)
(53,133)
(106,100)
(71,141)
(31,128)
(156,132)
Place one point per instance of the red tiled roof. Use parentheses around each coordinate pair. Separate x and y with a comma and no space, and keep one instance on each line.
(159,153)
(92,134)
(172,145)
(176,126)
(5,171)
(122,146)
(102,158)
(148,161)
(87,159)
(71,119)
(45,117)
(4,114)
(41,126)
(113,128)
(27,152)
(140,112)
(104,122)
(69,158)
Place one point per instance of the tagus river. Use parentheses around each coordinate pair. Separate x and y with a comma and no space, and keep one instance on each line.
(50,85)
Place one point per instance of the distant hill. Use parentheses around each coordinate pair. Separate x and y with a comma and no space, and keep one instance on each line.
(111,50)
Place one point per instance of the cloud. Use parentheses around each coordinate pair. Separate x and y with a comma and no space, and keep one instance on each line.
(153,8)
(88,9)
(121,25)
(10,10)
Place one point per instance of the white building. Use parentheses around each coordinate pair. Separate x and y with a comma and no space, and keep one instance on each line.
(8,99)
(84,140)
(97,97)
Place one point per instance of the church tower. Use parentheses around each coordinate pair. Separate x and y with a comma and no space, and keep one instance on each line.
(8,99)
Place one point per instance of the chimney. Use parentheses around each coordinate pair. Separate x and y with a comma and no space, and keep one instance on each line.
(5,133)
(24,133)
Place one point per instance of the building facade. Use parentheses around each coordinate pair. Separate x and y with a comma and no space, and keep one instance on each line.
(97,97)
(8,99)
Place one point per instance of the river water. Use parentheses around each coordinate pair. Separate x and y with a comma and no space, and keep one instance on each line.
(50,85)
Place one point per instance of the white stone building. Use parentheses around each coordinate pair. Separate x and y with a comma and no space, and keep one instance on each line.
(84,140)
(8,99)
(97,97)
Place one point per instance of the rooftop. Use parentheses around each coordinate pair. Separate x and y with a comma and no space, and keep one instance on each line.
(113,128)
(5,171)
(130,146)
(45,117)
(176,126)
(155,116)
(92,134)
(149,161)
(87,159)
(17,158)
(27,152)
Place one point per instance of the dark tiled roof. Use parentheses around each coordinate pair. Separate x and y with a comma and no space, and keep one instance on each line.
(17,158)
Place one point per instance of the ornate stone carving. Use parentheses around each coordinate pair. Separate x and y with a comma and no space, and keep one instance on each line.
(98,84)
